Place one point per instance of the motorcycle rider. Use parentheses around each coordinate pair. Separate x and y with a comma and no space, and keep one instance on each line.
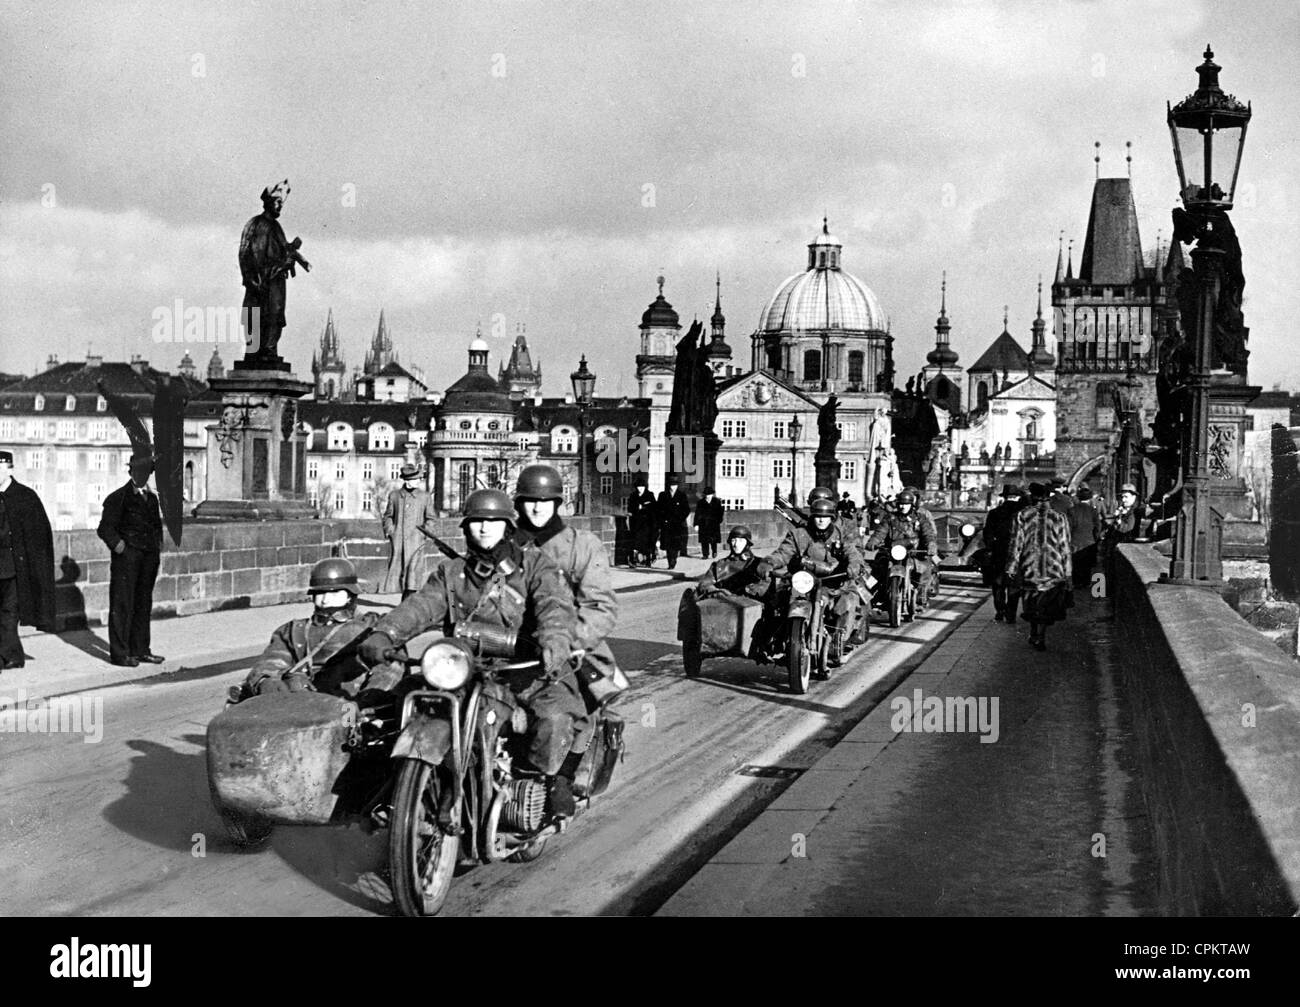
(582,559)
(501,590)
(822,541)
(735,573)
(331,630)
(903,525)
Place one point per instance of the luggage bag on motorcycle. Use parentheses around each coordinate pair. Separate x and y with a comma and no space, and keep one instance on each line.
(279,756)
(723,624)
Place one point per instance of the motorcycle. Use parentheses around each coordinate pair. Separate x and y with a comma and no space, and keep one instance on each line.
(908,586)
(460,795)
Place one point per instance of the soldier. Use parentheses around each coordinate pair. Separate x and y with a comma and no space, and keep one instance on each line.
(735,573)
(672,510)
(328,636)
(822,541)
(500,590)
(582,559)
(998,528)
(903,526)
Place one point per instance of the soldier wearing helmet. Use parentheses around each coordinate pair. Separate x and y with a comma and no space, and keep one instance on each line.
(904,525)
(822,541)
(328,636)
(583,562)
(503,589)
(735,573)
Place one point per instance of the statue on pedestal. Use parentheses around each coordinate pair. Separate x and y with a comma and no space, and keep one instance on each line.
(265,257)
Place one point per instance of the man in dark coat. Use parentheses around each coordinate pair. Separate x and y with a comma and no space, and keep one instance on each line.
(672,510)
(131,527)
(641,524)
(708,519)
(26,564)
(998,529)
(1086,529)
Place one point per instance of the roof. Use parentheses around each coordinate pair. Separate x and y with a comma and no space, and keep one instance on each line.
(359,415)
(1004,355)
(821,299)
(619,412)
(660,314)
(1275,400)
(1112,250)
(395,370)
(82,380)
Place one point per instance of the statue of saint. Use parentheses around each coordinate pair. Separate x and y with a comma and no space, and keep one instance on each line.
(828,434)
(265,257)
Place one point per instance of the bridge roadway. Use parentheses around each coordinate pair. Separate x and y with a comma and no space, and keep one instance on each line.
(934,824)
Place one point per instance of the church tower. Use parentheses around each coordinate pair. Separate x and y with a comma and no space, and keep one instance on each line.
(521,378)
(717,352)
(381,353)
(941,375)
(216,366)
(660,331)
(327,365)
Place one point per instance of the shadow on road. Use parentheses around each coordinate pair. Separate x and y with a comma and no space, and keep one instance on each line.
(166,800)
(343,861)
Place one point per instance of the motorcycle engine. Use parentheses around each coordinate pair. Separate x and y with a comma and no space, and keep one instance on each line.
(524,807)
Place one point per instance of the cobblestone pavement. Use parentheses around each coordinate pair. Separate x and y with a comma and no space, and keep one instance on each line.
(1045,820)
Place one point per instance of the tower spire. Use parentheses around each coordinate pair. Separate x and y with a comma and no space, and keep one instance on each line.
(1039,356)
(1069,261)
(943,354)
(1060,257)
(1096,158)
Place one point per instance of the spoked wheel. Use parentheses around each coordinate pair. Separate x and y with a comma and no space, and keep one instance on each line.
(799,659)
(909,603)
(823,670)
(895,603)
(421,857)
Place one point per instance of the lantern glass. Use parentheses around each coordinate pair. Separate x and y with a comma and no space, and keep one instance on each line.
(796,428)
(584,382)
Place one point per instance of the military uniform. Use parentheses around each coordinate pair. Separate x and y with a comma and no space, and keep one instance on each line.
(517,592)
(914,530)
(830,546)
(734,574)
(334,668)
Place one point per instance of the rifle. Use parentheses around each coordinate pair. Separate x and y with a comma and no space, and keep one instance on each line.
(443,547)
(791,513)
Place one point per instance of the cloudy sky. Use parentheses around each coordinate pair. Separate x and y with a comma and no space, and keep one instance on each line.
(540,163)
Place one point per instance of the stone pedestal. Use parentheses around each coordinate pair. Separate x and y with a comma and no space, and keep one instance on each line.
(828,473)
(257,458)
(1243,534)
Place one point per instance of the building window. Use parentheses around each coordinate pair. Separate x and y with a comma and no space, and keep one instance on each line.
(65,461)
(494,425)
(340,437)
(849,471)
(313,469)
(733,504)
(67,430)
(522,443)
(39,403)
(367,470)
(70,404)
(99,461)
(63,493)
(340,471)
(606,485)
(126,461)
(466,425)
(381,437)
(856,358)
(732,468)
(812,365)
(338,500)
(735,428)
(394,468)
(494,477)
(781,468)
(465,481)
(99,430)
(368,500)
(101,404)
(564,441)
(95,494)
(848,431)
(6,430)
(982,394)
(36,460)
(313,497)
(778,429)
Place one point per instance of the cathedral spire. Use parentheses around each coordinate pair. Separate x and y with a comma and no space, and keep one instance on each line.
(1069,262)
(1039,356)
(943,354)
(1060,257)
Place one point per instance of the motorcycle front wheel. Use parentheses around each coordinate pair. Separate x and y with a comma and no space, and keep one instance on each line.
(895,603)
(421,857)
(799,659)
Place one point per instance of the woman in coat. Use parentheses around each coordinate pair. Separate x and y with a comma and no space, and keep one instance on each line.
(1040,562)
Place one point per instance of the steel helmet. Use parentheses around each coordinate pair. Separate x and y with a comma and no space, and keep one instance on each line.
(539,482)
(822,507)
(907,496)
(740,531)
(820,493)
(334,574)
(488,505)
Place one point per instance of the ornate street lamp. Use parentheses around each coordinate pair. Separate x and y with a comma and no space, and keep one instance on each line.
(584,383)
(796,428)
(1127,401)
(1195,123)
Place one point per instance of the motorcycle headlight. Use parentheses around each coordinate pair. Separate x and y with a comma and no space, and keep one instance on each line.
(898,552)
(968,530)
(445,665)
(802,582)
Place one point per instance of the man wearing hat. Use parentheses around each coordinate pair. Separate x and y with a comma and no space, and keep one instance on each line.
(998,528)
(672,510)
(641,524)
(708,519)
(26,564)
(131,526)
(1060,500)
(1085,533)
(409,509)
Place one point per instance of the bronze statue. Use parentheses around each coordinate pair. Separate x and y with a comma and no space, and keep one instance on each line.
(1212,228)
(694,407)
(264,259)
(828,434)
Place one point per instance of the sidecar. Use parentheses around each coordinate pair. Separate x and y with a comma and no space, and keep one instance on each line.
(719,626)
(281,759)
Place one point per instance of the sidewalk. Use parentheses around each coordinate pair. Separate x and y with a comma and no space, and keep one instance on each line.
(1043,819)
(214,643)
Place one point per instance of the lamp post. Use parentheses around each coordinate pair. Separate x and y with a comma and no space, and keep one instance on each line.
(796,428)
(1128,400)
(584,383)
(1194,124)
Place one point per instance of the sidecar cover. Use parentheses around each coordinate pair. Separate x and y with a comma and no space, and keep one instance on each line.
(723,624)
(279,756)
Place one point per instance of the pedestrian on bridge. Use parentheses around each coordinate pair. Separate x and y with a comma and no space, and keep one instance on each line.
(1040,562)
(26,564)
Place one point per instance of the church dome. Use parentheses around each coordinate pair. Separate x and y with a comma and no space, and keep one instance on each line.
(660,314)
(823,297)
